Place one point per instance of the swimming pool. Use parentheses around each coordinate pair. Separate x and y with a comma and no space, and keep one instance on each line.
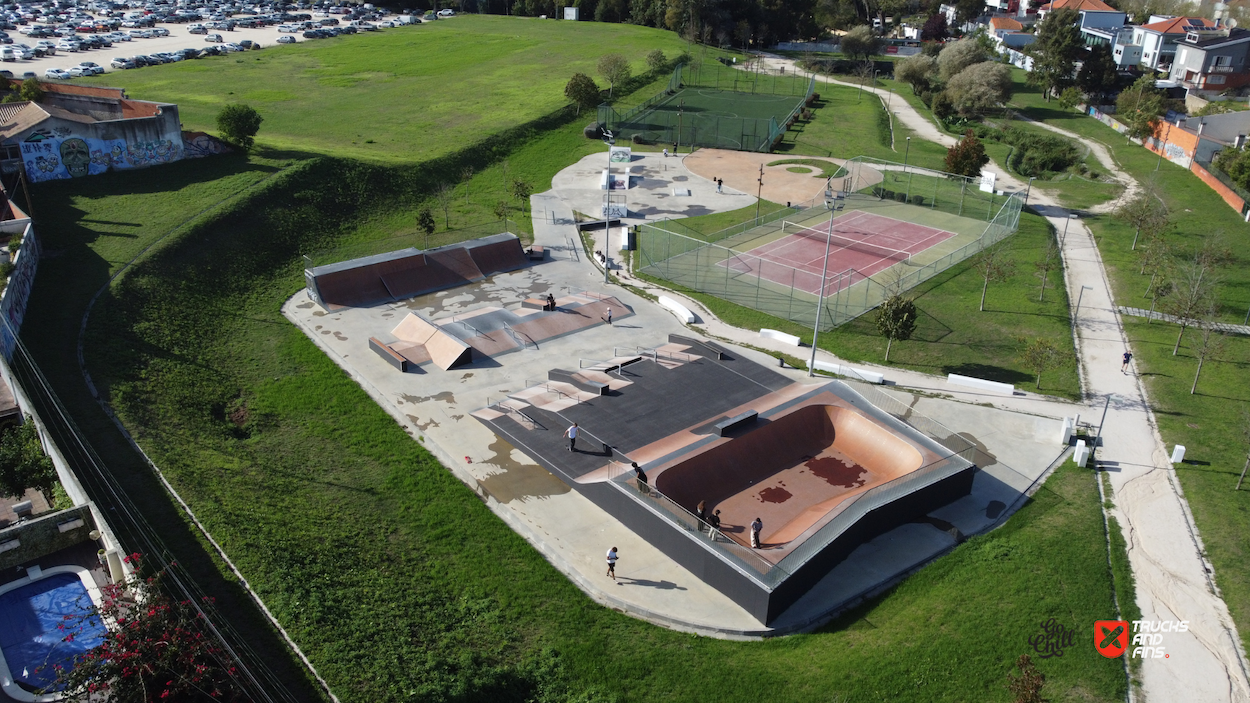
(35,618)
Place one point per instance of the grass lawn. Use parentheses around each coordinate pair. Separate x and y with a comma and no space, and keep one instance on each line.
(442,601)
(386,96)
(1209,422)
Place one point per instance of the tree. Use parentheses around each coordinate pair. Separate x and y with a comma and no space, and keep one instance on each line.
(1210,345)
(1027,688)
(30,90)
(521,190)
(980,87)
(1191,295)
(896,319)
(23,464)
(501,211)
(1097,74)
(1055,52)
(656,61)
(995,266)
(1144,213)
(968,10)
(1140,107)
(444,194)
(967,156)
(1049,262)
(1041,355)
(860,42)
(957,56)
(917,71)
(1235,163)
(582,91)
(1070,98)
(1244,428)
(615,69)
(425,223)
(466,175)
(935,28)
(239,124)
(157,648)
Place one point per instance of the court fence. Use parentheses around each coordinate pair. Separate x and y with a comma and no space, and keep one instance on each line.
(657,121)
(721,264)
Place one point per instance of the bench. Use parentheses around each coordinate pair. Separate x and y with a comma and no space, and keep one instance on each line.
(724,427)
(536,253)
(779,336)
(683,313)
(715,350)
(388,355)
(840,370)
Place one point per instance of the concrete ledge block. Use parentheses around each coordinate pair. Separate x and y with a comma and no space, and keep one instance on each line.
(779,336)
(683,313)
(980,384)
(10,545)
(859,374)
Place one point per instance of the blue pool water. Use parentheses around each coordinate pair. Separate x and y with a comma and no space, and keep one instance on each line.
(32,639)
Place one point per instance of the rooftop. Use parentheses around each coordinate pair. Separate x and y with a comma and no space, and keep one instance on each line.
(1179,25)
(1079,6)
(1006,23)
(1211,41)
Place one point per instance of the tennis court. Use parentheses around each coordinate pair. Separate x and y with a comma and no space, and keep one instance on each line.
(861,245)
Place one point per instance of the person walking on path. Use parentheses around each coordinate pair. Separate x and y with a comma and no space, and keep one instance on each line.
(609,316)
(612,557)
(1128,356)
(756,528)
(701,511)
(714,521)
(571,433)
(666,152)
(720,183)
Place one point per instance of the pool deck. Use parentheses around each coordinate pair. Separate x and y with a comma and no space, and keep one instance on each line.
(572,532)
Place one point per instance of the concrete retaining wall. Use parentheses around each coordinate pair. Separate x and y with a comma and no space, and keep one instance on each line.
(44,535)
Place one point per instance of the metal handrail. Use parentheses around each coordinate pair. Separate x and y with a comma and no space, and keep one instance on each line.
(517,338)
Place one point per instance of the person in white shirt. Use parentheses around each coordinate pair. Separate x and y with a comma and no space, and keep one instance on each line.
(571,433)
(612,557)
(756,528)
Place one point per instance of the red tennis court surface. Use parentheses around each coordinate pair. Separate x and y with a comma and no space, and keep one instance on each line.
(863,245)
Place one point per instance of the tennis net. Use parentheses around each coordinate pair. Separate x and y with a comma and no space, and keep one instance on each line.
(820,234)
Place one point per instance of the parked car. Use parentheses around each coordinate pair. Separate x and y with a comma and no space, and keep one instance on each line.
(446,13)
(66,45)
(6,73)
(232,47)
(122,62)
(94,68)
(248,44)
(198,30)
(159,32)
(215,38)
(8,54)
(286,39)
(57,74)
(139,34)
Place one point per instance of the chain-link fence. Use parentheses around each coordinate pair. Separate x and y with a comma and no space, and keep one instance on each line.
(732,264)
(712,105)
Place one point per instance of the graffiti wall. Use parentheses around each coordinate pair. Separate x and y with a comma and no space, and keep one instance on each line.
(196,145)
(13,301)
(57,152)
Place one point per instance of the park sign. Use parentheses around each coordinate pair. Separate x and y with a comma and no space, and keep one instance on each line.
(987,182)
(620,154)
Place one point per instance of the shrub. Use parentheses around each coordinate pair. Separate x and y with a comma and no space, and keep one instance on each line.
(639,139)
(943,107)
(1039,154)
(594,130)
(239,124)
(917,200)
(900,197)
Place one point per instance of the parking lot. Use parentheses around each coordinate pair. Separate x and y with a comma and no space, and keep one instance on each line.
(179,38)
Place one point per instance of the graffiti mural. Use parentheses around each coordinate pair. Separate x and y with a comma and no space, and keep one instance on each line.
(57,154)
(13,300)
(198,145)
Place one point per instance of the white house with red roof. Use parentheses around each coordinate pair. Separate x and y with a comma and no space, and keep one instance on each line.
(1094,14)
(1157,38)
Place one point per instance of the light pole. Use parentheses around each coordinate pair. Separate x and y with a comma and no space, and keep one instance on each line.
(607,208)
(759,192)
(820,304)
(906,153)
(1078,302)
(1029,191)
(1065,229)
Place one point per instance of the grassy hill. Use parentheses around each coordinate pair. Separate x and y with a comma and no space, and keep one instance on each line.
(399,94)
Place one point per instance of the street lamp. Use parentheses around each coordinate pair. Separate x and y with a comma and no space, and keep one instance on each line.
(906,153)
(759,192)
(1078,302)
(1065,229)
(820,304)
(607,208)
(1027,192)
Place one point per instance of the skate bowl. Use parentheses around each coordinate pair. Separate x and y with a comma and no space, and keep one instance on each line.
(791,472)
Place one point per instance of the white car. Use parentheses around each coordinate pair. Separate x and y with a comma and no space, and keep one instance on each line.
(288,28)
(67,45)
(57,74)
(214,38)
(119,37)
(159,32)
(232,47)
(140,34)
(122,62)
(90,68)
(446,13)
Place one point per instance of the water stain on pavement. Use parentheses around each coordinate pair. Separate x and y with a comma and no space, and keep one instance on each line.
(445,396)
(518,481)
(775,494)
(416,422)
(836,472)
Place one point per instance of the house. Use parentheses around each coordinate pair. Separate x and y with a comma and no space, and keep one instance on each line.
(1013,45)
(1003,25)
(1212,60)
(1020,8)
(1094,15)
(1157,38)
(78,130)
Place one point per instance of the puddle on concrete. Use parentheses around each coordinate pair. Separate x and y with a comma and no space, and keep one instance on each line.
(319,313)
(457,418)
(305,306)
(518,481)
(983,456)
(775,495)
(837,472)
(416,422)
(445,396)
(339,336)
(466,377)
(325,331)
(318,327)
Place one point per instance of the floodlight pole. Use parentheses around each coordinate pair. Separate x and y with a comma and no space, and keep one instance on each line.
(906,153)
(607,211)
(820,304)
(1078,302)
(759,192)
(1027,192)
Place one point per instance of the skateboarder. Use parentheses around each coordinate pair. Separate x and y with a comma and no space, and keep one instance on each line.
(1128,356)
